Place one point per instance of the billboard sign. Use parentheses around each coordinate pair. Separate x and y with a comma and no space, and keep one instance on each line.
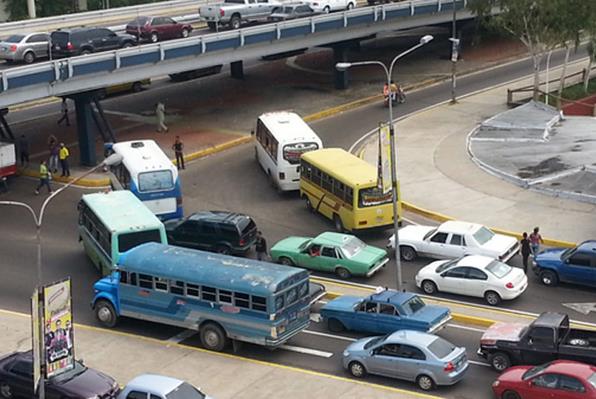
(36,344)
(58,329)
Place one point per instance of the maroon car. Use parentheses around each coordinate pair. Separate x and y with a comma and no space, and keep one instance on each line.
(155,29)
(16,380)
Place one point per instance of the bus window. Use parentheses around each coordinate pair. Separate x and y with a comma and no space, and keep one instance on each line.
(259,303)
(177,287)
(156,181)
(225,296)
(161,284)
(192,290)
(130,240)
(146,281)
(242,300)
(208,294)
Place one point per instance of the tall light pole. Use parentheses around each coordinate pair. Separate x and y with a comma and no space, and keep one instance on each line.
(454,52)
(113,159)
(342,66)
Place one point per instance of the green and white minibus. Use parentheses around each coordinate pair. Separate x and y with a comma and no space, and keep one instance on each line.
(112,223)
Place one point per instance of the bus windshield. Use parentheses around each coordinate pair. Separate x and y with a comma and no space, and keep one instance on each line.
(292,152)
(158,180)
(130,240)
(372,197)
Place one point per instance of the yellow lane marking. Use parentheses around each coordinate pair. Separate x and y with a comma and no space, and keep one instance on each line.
(236,357)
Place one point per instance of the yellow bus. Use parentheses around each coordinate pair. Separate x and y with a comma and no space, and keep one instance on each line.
(344,188)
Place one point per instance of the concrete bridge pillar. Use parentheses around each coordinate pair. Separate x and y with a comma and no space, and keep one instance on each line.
(86,133)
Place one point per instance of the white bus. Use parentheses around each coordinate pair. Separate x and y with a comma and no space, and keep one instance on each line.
(149,174)
(281,138)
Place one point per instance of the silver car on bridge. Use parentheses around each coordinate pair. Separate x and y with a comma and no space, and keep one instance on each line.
(25,47)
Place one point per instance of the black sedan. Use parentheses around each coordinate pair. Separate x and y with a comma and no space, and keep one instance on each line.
(16,380)
(292,11)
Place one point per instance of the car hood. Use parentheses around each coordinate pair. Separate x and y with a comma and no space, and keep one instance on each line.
(550,255)
(290,244)
(499,243)
(504,331)
(413,233)
(88,384)
(369,255)
(341,304)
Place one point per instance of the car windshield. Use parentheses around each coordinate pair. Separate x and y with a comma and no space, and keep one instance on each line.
(352,246)
(185,391)
(304,245)
(446,265)
(14,38)
(534,371)
(441,348)
(287,10)
(375,341)
(483,235)
(158,180)
(568,252)
(413,305)
(430,233)
(78,369)
(592,380)
(499,269)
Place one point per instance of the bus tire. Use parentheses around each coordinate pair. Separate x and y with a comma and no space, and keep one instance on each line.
(213,337)
(343,273)
(339,226)
(105,313)
(335,325)
(308,204)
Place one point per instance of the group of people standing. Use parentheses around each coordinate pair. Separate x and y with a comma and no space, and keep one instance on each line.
(530,245)
(59,153)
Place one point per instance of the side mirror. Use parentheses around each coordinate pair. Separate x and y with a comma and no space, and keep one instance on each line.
(443,274)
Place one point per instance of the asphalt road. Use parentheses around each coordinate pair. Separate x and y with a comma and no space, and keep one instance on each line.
(241,186)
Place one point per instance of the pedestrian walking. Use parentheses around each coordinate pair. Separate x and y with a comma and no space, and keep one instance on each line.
(261,246)
(63,155)
(23,146)
(54,150)
(44,178)
(525,250)
(64,117)
(160,113)
(178,147)
(535,241)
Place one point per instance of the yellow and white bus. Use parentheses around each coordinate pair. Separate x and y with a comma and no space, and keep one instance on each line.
(344,188)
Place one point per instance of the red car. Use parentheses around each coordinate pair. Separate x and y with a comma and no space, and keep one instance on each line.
(561,379)
(155,29)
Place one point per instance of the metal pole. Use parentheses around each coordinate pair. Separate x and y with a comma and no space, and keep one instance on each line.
(42,355)
(454,55)
(31,9)
(547,67)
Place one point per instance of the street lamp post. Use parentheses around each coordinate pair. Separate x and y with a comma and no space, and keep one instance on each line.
(342,66)
(113,159)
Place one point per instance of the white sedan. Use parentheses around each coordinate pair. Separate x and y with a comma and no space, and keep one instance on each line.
(327,6)
(452,240)
(478,276)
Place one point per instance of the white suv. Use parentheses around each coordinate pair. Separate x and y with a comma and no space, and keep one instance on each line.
(331,5)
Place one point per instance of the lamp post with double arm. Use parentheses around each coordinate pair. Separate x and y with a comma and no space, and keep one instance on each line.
(342,66)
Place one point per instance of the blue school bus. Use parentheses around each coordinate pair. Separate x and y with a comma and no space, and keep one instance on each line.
(220,296)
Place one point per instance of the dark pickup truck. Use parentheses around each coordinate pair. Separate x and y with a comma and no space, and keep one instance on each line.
(547,338)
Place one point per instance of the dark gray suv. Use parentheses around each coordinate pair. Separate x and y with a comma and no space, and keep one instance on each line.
(78,41)
(216,231)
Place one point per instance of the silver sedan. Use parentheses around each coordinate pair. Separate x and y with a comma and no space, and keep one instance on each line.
(27,47)
(427,359)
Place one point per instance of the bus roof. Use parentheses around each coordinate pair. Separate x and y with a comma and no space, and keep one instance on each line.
(288,126)
(121,211)
(343,166)
(206,268)
(143,156)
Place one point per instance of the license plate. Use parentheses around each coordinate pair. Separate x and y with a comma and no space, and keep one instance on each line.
(57,47)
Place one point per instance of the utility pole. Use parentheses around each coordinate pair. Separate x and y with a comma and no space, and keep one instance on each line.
(31,8)
(454,53)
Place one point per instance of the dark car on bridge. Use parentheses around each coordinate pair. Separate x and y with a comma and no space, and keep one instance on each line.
(80,382)
(156,29)
(79,41)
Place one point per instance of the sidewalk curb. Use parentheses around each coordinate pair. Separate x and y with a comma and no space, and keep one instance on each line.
(105,182)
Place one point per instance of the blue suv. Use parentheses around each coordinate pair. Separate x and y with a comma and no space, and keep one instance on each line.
(573,265)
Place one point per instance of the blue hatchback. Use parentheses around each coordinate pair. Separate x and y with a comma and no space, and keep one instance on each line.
(573,265)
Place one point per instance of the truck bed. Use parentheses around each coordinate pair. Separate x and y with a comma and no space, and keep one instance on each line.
(579,343)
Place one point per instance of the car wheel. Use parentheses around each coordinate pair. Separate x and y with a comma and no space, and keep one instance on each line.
(499,361)
(357,369)
(407,253)
(335,325)
(286,261)
(154,38)
(137,87)
(5,391)
(29,57)
(343,273)
(101,94)
(339,226)
(86,51)
(429,287)
(212,26)
(549,278)
(327,9)
(425,382)
(213,337)
(350,6)
(222,249)
(105,313)
(308,204)
(185,33)
(492,298)
(235,22)
(510,395)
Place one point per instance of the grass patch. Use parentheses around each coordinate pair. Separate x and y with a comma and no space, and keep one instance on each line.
(575,92)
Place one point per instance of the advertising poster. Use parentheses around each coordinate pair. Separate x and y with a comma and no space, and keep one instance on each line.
(385,148)
(36,344)
(58,331)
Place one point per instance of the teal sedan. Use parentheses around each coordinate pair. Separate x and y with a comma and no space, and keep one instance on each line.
(342,254)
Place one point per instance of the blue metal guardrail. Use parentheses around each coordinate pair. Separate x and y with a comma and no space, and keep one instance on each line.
(63,70)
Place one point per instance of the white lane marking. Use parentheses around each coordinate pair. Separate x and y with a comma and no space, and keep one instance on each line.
(307,351)
(466,327)
(479,363)
(176,339)
(322,334)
